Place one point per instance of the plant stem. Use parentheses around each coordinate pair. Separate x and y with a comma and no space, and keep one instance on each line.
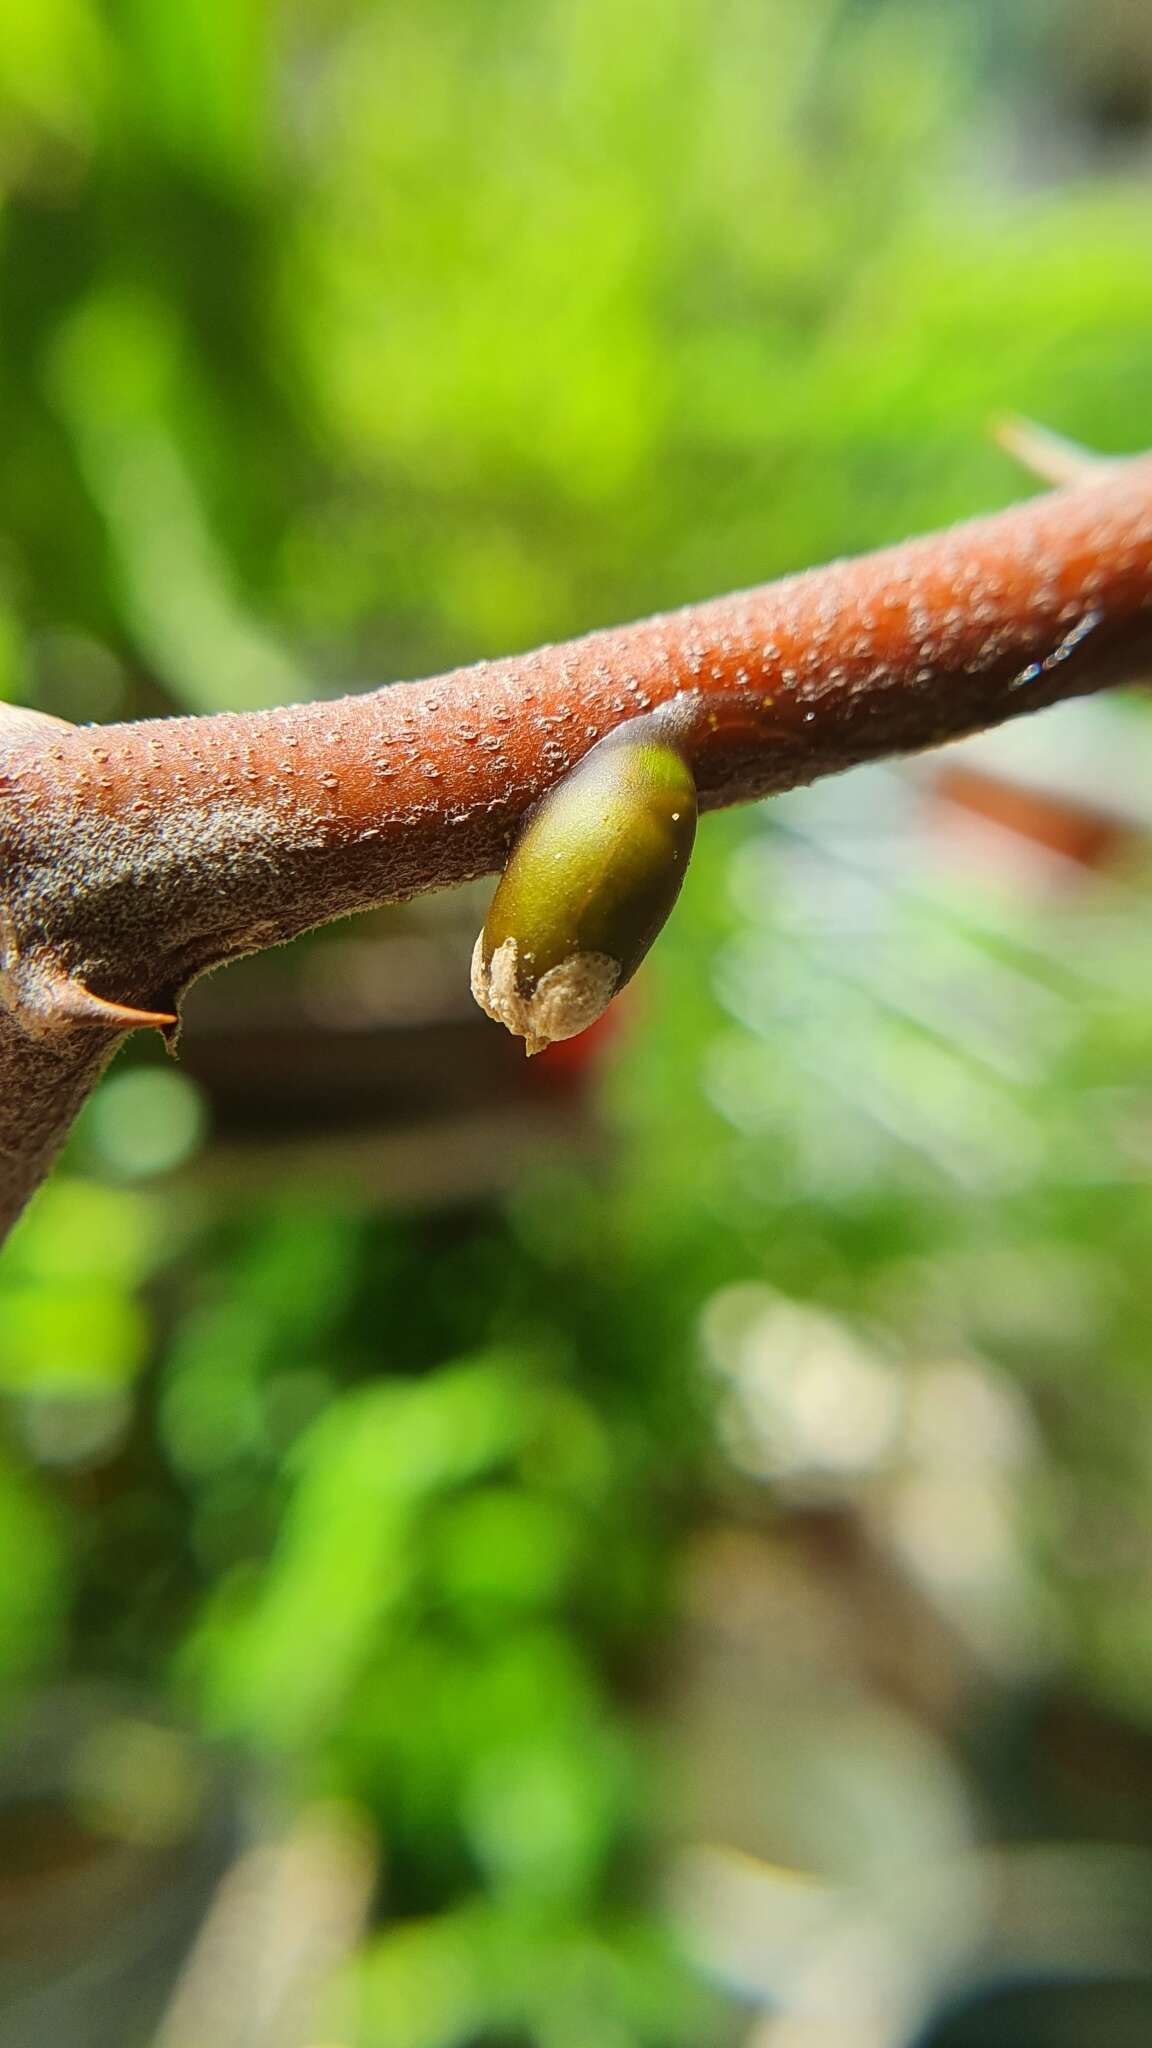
(134,857)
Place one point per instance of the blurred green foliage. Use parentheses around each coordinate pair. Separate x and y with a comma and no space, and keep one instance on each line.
(341,340)
(338,342)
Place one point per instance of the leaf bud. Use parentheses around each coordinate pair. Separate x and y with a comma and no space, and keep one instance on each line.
(588,885)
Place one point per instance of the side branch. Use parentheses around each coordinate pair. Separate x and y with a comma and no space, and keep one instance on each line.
(135,857)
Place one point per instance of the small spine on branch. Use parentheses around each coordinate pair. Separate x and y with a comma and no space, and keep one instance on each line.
(78,1004)
(1052,457)
(43,1000)
(590,881)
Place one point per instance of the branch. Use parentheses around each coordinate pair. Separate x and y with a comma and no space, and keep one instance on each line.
(136,857)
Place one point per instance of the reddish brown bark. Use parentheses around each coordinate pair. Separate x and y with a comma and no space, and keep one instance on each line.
(134,857)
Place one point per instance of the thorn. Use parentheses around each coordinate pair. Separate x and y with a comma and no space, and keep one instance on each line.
(1051,457)
(71,999)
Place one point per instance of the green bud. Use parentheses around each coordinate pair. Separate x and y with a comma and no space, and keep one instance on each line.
(588,885)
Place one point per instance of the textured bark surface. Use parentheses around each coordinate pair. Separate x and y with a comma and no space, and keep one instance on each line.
(135,857)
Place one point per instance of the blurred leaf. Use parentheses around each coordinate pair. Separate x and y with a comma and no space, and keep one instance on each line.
(33,1577)
(78,1231)
(116,375)
(86,1336)
(349,1553)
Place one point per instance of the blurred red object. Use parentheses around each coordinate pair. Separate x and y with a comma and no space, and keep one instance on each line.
(1076,831)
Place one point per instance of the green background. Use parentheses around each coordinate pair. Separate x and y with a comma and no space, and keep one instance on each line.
(345,340)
